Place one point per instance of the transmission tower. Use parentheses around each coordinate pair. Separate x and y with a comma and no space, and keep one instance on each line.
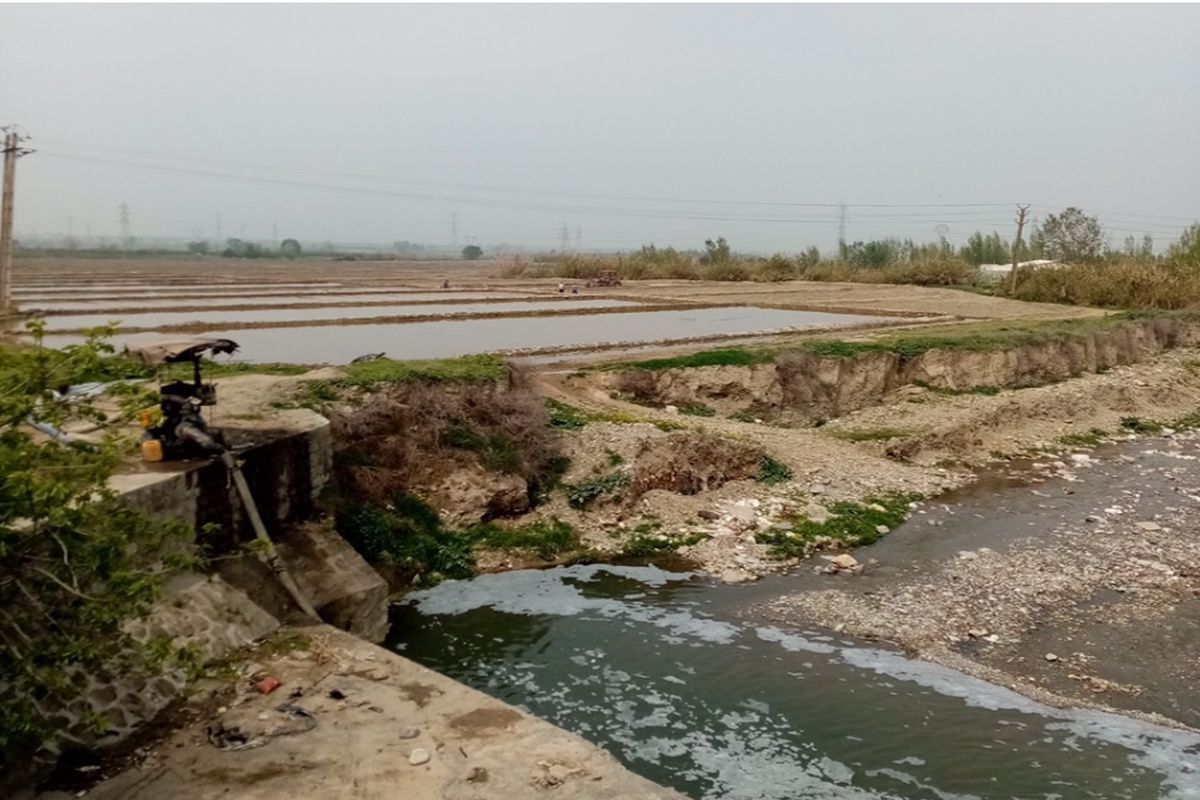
(841,228)
(564,235)
(454,231)
(123,217)
(578,238)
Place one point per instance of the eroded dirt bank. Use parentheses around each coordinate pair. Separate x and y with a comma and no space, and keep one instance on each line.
(823,380)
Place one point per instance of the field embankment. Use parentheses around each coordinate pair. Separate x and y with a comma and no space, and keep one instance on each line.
(824,378)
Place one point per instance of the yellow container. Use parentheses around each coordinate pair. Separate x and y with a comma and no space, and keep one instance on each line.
(152,450)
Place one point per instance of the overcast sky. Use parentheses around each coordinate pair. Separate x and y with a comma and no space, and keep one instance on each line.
(628,124)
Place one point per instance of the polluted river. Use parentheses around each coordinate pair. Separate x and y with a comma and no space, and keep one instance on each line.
(687,682)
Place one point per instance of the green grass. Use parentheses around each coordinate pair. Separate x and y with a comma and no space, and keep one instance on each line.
(648,543)
(975,337)
(868,434)
(1138,425)
(565,417)
(409,536)
(850,524)
(1187,421)
(727,357)
(477,368)
(985,390)
(1090,438)
(771,472)
(545,538)
(697,410)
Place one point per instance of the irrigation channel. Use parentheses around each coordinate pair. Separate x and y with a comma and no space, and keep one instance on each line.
(673,674)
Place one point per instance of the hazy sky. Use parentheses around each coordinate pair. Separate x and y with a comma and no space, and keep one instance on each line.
(634,124)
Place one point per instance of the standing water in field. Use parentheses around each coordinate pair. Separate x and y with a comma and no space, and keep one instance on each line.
(658,668)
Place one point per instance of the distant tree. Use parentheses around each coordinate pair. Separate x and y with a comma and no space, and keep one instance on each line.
(1138,249)
(234,248)
(472,252)
(289,248)
(1187,249)
(875,254)
(717,252)
(990,249)
(1072,235)
(809,258)
(198,248)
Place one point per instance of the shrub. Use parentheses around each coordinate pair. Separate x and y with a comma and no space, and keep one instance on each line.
(76,563)
(771,471)
(546,538)
(849,524)
(407,537)
(583,494)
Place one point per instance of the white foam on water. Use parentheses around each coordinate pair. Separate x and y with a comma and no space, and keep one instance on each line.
(722,758)
(792,642)
(546,592)
(1172,753)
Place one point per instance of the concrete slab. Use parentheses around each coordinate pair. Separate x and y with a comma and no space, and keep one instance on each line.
(354,720)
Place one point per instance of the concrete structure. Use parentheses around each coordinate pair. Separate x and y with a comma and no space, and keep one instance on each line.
(286,470)
(354,720)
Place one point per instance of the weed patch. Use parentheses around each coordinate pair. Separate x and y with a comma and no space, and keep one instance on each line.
(771,472)
(848,525)
(476,368)
(697,410)
(1090,438)
(565,417)
(1138,425)
(587,491)
(546,538)
(727,357)
(868,434)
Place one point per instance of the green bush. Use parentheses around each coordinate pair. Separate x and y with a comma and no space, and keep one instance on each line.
(583,494)
(851,524)
(772,472)
(76,563)
(408,537)
(546,538)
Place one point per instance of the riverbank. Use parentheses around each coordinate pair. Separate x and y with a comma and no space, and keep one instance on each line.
(1077,584)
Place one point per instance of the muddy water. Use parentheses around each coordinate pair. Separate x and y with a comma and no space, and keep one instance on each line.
(217,317)
(261,300)
(337,345)
(661,669)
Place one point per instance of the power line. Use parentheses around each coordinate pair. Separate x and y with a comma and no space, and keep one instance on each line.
(506,189)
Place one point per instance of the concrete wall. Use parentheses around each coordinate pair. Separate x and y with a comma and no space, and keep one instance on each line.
(286,473)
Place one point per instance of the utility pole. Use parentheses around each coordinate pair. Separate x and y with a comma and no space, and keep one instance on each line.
(12,151)
(565,236)
(841,230)
(123,216)
(1022,210)
(454,231)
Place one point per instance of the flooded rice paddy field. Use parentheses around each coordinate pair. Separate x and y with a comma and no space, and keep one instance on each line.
(662,669)
(415,340)
(266,316)
(136,286)
(255,301)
